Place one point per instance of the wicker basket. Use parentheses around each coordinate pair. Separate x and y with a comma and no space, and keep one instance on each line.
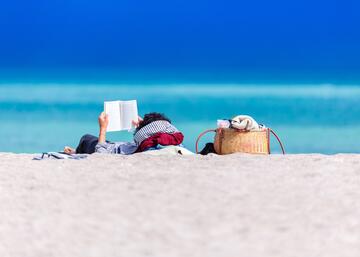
(228,140)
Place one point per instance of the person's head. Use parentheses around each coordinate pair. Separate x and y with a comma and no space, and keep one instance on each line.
(150,117)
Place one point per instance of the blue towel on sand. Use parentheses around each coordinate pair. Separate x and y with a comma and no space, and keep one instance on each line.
(60,156)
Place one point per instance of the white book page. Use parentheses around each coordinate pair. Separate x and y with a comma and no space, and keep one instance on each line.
(112,109)
(128,114)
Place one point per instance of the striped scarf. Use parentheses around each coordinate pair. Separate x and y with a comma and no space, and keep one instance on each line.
(159,126)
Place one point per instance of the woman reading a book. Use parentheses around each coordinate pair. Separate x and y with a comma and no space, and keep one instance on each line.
(153,130)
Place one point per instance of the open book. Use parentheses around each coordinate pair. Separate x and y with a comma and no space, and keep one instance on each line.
(121,114)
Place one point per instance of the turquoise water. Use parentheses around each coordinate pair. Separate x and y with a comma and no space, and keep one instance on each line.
(38,117)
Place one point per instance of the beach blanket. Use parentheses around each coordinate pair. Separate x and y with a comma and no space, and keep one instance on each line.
(60,156)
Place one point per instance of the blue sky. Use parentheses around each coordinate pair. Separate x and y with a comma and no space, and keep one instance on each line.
(254,35)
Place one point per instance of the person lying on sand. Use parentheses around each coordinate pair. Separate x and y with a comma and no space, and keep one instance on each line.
(153,130)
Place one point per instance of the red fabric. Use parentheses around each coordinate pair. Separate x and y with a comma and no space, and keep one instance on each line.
(161,139)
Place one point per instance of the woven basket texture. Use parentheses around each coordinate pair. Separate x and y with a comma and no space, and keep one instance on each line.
(229,141)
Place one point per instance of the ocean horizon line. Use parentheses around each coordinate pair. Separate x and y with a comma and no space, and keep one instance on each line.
(96,92)
(156,75)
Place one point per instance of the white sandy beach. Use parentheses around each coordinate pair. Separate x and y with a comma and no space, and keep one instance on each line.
(165,206)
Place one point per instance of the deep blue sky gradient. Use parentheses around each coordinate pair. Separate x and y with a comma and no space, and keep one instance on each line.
(290,36)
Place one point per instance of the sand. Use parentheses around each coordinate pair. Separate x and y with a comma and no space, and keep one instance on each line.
(164,206)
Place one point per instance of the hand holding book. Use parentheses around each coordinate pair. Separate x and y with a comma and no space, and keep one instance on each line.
(103,121)
(103,124)
(136,123)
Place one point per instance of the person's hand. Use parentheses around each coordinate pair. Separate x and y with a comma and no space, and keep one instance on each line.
(103,121)
(136,123)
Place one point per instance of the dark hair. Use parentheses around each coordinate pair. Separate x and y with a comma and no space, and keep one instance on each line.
(150,117)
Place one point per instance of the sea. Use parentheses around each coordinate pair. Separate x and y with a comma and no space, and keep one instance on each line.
(45,115)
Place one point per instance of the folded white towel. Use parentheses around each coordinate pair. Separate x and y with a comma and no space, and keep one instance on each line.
(245,122)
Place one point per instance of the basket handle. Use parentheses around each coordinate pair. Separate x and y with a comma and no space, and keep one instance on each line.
(278,139)
(200,136)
